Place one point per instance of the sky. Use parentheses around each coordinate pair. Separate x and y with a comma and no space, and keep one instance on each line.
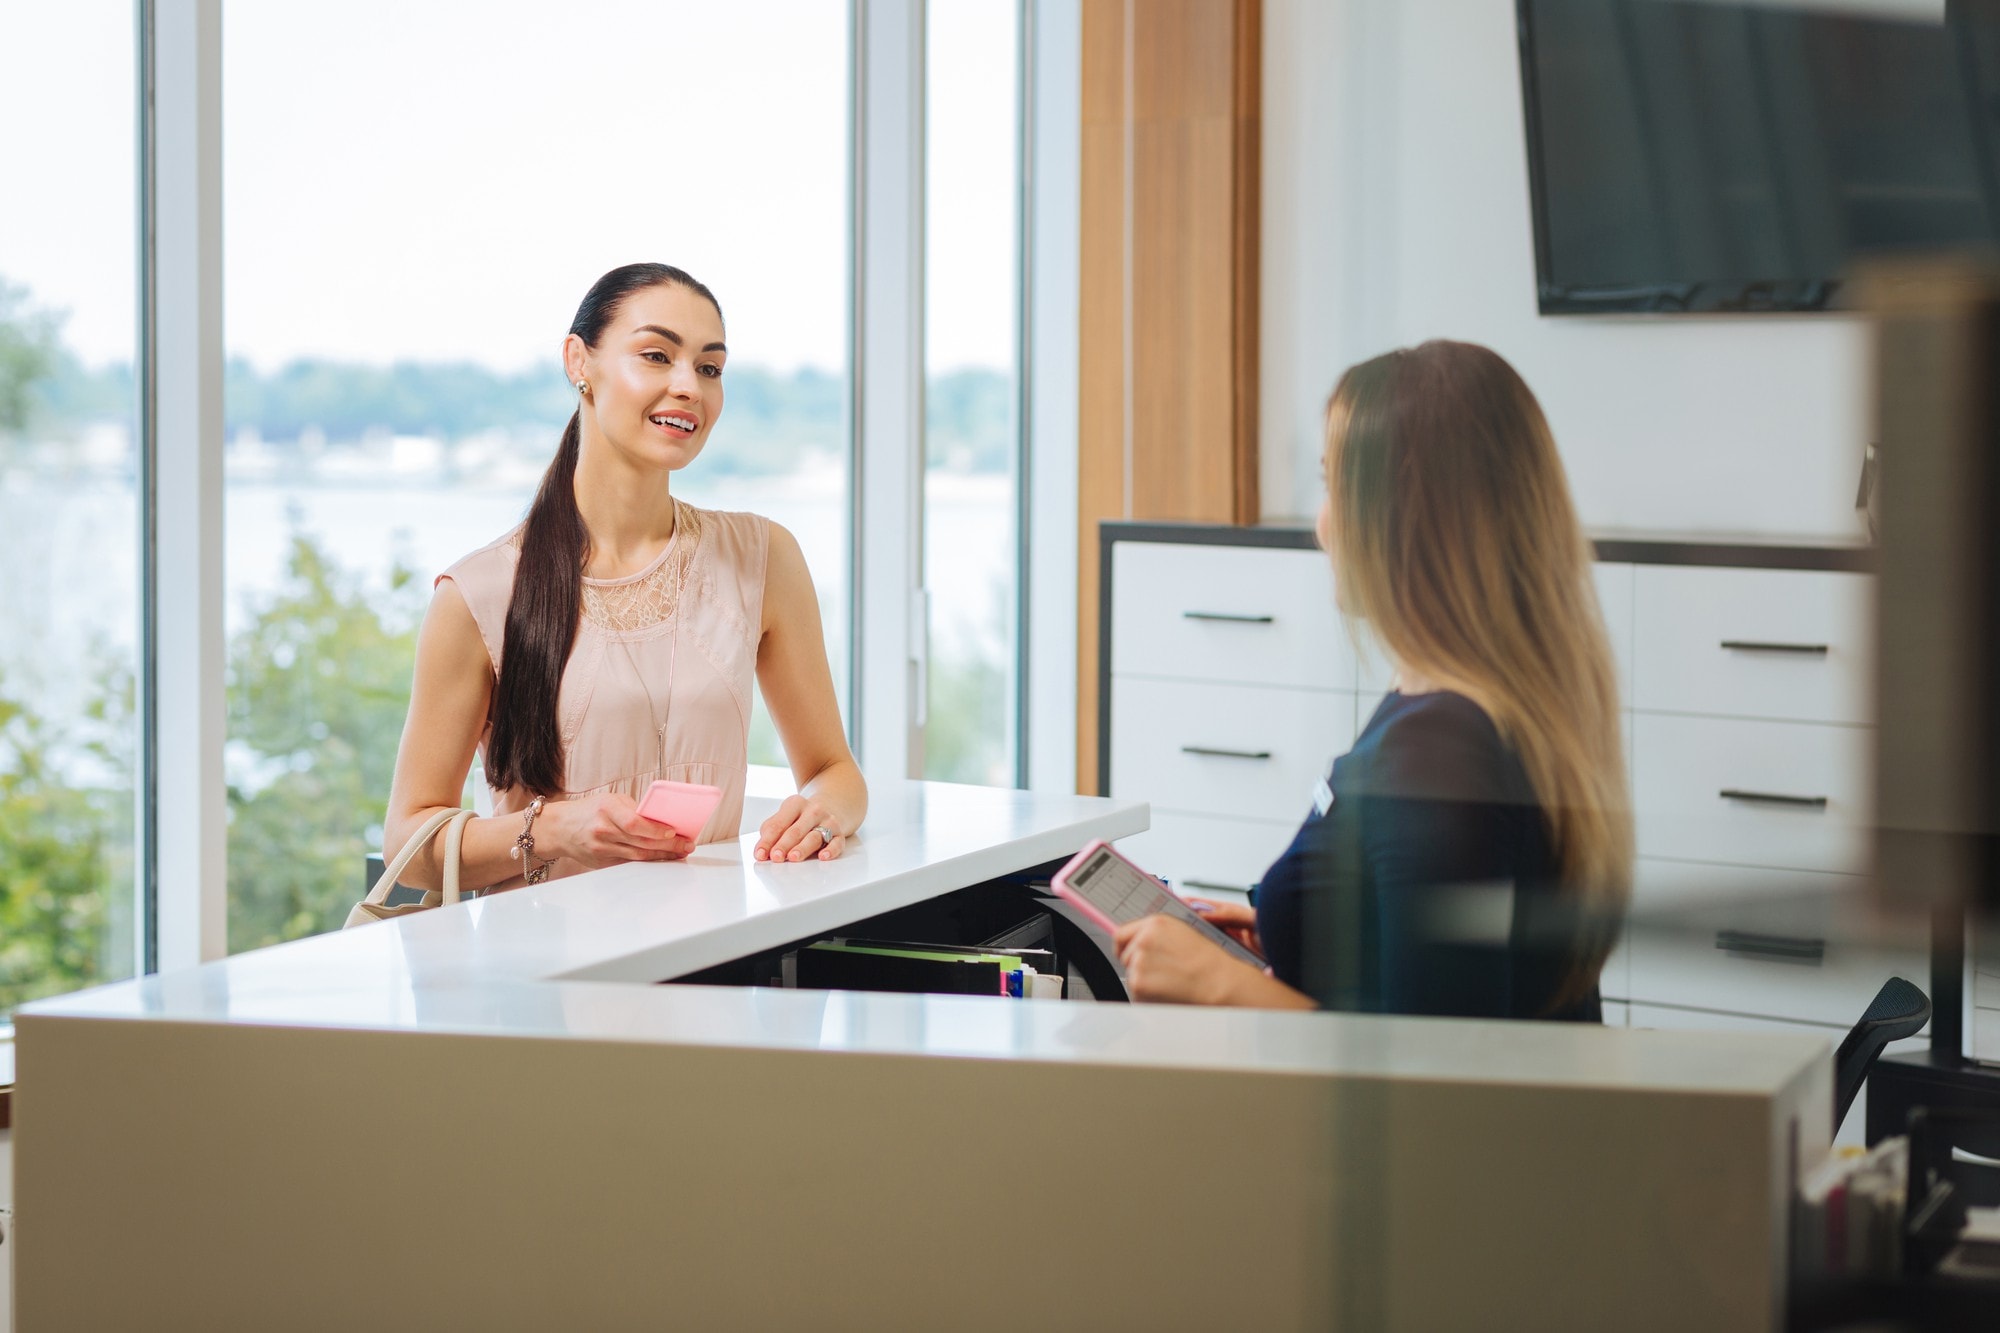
(432,180)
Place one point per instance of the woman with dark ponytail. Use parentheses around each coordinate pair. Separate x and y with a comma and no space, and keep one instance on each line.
(615,636)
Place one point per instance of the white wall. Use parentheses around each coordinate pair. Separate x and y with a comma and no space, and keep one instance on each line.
(1396,209)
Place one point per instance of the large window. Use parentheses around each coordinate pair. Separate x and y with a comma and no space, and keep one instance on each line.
(409,224)
(417,196)
(68,463)
(972,285)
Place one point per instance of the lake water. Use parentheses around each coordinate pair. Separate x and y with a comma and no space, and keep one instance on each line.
(69,568)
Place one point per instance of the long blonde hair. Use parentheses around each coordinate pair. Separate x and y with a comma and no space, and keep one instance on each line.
(1455,540)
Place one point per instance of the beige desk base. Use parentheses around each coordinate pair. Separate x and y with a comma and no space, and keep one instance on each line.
(318,1178)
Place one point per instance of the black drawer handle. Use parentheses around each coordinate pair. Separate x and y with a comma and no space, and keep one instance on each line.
(1228,618)
(1213,753)
(1213,887)
(1790,947)
(1753,646)
(1773,798)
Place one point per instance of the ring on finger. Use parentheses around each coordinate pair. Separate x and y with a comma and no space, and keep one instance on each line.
(825,835)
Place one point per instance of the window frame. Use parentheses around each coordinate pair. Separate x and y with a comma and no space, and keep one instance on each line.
(182,825)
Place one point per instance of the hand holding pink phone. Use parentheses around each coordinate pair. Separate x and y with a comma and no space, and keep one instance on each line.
(683,807)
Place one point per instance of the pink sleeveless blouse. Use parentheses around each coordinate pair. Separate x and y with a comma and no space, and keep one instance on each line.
(658,682)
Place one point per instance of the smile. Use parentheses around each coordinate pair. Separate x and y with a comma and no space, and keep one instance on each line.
(680,422)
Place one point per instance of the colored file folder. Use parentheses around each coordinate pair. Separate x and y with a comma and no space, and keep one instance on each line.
(879,965)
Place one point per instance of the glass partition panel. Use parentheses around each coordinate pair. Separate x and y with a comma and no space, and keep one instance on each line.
(971,540)
(417,197)
(68,480)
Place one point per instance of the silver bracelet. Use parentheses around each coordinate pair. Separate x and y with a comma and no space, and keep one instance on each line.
(524,846)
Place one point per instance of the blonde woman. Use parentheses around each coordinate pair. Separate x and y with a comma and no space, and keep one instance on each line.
(1474,853)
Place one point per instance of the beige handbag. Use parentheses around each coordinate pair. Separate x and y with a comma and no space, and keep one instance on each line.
(375,907)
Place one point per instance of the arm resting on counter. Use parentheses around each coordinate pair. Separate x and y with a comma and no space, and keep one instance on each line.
(792,670)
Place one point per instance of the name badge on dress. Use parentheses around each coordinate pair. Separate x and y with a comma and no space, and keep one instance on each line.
(1322,796)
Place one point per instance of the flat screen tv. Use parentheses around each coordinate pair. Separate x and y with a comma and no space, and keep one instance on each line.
(1697,155)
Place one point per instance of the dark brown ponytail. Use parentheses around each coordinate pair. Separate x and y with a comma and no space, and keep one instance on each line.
(525,747)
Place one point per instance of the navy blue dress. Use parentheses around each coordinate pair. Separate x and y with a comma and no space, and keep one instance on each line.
(1431,885)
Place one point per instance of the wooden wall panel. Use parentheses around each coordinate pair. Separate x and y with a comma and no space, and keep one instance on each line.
(1182,219)
(1246,248)
(1171,115)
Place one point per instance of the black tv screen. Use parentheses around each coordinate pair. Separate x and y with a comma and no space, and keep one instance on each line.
(1694,155)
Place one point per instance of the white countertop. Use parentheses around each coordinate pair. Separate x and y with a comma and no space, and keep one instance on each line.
(639,922)
(575,959)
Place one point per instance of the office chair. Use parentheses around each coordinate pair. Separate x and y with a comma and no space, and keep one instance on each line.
(1898,1010)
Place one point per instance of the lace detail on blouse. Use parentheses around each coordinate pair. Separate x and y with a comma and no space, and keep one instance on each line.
(650,597)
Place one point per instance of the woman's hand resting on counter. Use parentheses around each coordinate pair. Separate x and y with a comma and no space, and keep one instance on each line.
(803,827)
(604,830)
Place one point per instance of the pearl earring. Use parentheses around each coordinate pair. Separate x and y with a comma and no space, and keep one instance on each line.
(583,386)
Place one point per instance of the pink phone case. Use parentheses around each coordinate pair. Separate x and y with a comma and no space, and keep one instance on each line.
(1060,883)
(683,807)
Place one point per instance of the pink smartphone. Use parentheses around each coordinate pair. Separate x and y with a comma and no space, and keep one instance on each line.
(683,807)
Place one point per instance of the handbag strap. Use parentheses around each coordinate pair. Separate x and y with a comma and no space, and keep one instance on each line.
(454,838)
(418,841)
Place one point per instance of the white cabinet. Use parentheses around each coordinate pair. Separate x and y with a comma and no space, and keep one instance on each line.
(1751,775)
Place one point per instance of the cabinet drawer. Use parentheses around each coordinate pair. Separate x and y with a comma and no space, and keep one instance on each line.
(1201,854)
(1787,644)
(1614,597)
(1227,613)
(1248,752)
(1788,795)
(1766,973)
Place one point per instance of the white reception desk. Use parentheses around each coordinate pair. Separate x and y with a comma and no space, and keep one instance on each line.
(489,1116)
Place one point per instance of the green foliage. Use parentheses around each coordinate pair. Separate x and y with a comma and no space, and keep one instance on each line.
(319,682)
(773,421)
(343,401)
(27,351)
(965,738)
(65,850)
